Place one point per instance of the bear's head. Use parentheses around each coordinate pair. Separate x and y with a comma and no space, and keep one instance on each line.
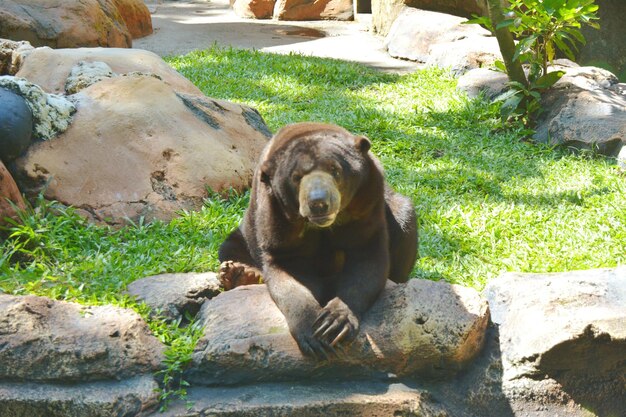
(314,170)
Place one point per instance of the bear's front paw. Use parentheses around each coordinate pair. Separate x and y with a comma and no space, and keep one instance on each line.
(312,347)
(235,274)
(336,323)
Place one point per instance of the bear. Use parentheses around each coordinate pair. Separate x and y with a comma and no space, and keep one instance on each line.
(324,231)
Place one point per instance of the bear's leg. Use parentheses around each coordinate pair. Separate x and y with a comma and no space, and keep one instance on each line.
(403,240)
(237,266)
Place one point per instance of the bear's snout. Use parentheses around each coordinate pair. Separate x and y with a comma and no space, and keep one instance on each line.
(319,198)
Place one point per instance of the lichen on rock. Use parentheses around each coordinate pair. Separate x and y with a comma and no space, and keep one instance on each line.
(52,113)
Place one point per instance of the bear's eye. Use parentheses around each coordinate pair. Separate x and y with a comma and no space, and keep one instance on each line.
(296,178)
(336,173)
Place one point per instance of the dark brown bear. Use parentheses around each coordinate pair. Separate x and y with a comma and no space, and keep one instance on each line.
(324,231)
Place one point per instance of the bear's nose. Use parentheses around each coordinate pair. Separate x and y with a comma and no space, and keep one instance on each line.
(318,202)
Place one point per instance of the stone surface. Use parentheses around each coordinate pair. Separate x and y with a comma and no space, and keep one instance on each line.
(85,74)
(464,54)
(294,9)
(174,295)
(606,47)
(313,9)
(8,190)
(483,80)
(254,9)
(135,15)
(16,125)
(52,113)
(11,55)
(46,341)
(330,399)
(423,327)
(442,40)
(151,151)
(564,335)
(50,68)
(128,398)
(384,12)
(584,110)
(64,23)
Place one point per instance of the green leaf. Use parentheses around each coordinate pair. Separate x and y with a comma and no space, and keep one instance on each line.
(505,23)
(500,66)
(548,80)
(564,48)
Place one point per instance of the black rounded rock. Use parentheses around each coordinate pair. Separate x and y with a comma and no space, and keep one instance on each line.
(16,125)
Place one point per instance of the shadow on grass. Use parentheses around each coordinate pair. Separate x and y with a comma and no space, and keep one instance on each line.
(438,147)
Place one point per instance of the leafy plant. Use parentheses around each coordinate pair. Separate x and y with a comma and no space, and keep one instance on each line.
(542,27)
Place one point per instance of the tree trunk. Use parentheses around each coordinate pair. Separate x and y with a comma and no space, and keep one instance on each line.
(505,41)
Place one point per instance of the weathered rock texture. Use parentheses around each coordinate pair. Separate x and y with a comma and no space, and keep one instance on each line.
(422,327)
(135,15)
(129,397)
(328,399)
(564,336)
(50,68)
(586,109)
(11,55)
(144,141)
(254,9)
(313,9)
(295,9)
(8,190)
(53,341)
(441,40)
(384,12)
(51,113)
(75,23)
(606,47)
(175,295)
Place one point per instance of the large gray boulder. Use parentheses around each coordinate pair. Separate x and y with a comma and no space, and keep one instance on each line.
(563,335)
(441,40)
(385,12)
(585,109)
(46,340)
(422,327)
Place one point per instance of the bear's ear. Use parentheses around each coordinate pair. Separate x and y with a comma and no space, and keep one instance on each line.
(363,144)
(265,172)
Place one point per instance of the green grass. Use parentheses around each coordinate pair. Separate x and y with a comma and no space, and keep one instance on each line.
(487,201)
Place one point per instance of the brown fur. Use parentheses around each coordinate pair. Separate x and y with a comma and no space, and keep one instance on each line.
(325,251)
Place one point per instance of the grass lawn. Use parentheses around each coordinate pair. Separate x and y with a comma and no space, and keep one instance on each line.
(487,201)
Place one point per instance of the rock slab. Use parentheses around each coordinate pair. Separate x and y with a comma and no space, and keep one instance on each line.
(423,327)
(44,340)
(330,399)
(564,335)
(131,397)
(385,12)
(443,40)
(174,296)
